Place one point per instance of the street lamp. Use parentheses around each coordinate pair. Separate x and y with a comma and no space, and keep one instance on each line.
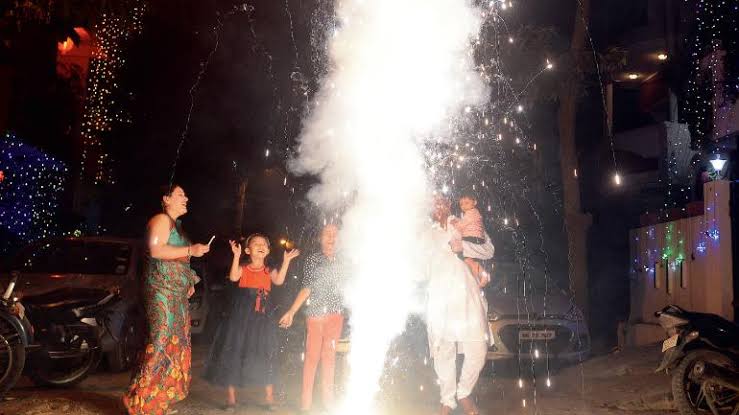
(718,164)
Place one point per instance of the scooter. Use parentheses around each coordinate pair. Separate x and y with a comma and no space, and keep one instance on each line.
(702,353)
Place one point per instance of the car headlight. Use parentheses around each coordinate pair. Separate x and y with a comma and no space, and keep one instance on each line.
(493,316)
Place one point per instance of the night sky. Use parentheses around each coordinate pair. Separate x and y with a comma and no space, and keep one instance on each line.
(251,98)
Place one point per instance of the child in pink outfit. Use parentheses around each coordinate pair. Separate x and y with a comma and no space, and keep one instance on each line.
(472,230)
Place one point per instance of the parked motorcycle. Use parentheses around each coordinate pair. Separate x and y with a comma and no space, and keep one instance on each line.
(702,353)
(15,335)
(57,335)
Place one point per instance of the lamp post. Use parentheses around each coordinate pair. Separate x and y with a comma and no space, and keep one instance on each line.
(718,165)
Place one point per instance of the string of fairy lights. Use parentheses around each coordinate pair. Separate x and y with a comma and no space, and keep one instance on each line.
(101,114)
(712,53)
(491,152)
(712,89)
(31,187)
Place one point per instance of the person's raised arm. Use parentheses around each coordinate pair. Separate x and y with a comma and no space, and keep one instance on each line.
(235,273)
(278,277)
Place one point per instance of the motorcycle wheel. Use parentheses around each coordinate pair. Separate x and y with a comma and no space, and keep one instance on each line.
(12,360)
(686,389)
(67,372)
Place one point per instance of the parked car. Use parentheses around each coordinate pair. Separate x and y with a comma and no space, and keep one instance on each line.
(199,302)
(105,263)
(528,319)
(532,318)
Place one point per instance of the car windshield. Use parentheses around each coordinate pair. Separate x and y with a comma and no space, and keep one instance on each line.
(508,279)
(74,256)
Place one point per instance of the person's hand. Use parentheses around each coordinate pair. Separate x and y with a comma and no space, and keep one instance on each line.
(198,250)
(190,292)
(292,254)
(453,220)
(287,320)
(484,279)
(235,248)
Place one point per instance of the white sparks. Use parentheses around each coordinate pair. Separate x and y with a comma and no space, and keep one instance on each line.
(380,109)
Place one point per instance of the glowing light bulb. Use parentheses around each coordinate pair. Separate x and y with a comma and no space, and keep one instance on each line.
(718,163)
(510,40)
(549,382)
(662,56)
(536,353)
(617,179)
(633,76)
(520,383)
(519,108)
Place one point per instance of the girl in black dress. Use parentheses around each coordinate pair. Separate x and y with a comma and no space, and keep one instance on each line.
(245,345)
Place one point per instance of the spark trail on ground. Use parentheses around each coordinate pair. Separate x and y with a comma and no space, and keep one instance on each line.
(399,72)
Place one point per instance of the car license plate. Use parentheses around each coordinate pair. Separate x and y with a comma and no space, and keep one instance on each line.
(670,343)
(536,335)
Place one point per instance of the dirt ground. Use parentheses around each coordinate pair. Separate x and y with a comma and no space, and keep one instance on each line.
(618,384)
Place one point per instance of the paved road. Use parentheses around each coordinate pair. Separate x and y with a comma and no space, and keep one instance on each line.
(614,385)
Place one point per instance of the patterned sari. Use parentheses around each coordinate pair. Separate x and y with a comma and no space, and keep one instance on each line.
(163,375)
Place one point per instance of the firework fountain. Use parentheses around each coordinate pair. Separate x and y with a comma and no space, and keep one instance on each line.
(399,73)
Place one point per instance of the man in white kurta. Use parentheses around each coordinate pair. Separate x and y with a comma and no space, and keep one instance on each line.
(456,319)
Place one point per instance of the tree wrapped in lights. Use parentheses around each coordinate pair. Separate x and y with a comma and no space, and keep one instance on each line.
(32,185)
(712,49)
(111,32)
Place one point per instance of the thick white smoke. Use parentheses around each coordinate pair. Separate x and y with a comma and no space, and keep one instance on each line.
(400,70)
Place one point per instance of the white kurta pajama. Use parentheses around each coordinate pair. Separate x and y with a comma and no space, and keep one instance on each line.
(456,321)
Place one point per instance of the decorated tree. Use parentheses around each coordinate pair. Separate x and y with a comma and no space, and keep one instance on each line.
(31,186)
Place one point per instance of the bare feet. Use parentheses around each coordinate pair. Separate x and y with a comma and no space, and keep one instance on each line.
(468,406)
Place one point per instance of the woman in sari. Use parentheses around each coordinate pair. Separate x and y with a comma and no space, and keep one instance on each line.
(163,375)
